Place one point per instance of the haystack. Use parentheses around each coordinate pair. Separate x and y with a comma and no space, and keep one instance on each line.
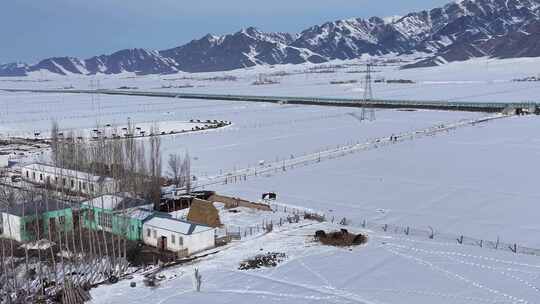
(203,212)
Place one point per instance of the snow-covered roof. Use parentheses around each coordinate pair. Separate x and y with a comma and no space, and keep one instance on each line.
(115,202)
(36,207)
(67,172)
(176,225)
(139,213)
(179,214)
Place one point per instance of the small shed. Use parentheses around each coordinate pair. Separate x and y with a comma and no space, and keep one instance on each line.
(180,236)
(30,221)
(122,216)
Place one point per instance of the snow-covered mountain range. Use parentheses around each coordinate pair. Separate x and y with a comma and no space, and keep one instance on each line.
(458,31)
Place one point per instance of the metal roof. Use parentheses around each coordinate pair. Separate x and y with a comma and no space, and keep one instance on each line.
(32,207)
(50,169)
(115,202)
(175,225)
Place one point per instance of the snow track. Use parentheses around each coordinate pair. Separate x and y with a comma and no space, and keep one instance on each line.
(456,276)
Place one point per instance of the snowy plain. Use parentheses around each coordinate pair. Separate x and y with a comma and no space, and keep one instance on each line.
(387,270)
(480,181)
(481,79)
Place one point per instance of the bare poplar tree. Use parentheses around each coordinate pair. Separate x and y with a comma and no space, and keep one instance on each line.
(55,141)
(175,168)
(155,167)
(186,173)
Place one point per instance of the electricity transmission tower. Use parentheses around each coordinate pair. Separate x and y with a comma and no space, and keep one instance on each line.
(368,95)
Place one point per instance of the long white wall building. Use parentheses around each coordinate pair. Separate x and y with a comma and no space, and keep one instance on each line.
(167,233)
(71,180)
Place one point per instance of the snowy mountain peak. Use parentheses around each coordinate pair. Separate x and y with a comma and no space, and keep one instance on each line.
(459,30)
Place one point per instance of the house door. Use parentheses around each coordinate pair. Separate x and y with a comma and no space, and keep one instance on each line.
(163,243)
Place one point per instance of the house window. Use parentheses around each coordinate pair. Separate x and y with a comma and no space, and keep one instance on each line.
(105,220)
(62,220)
(41,177)
(148,232)
(173,239)
(84,186)
(34,175)
(180,241)
(27,174)
(72,184)
(155,234)
(56,180)
(92,187)
(64,181)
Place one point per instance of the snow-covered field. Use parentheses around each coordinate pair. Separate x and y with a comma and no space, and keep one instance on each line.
(387,270)
(481,79)
(479,181)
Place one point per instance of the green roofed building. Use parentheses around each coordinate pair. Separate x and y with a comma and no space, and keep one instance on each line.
(122,216)
(30,221)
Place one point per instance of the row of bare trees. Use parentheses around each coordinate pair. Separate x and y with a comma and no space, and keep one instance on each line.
(135,168)
(180,171)
(92,254)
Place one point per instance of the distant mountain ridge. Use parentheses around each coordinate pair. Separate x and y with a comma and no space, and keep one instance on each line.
(458,31)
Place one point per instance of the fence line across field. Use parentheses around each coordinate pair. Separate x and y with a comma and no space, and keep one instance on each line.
(428,233)
(281,165)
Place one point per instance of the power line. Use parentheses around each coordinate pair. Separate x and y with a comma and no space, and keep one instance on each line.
(368,95)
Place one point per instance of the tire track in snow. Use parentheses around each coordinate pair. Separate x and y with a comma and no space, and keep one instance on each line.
(457,276)
(502,272)
(275,294)
(333,292)
(434,294)
(318,275)
(466,255)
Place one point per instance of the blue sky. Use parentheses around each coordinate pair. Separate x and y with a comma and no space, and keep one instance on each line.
(35,29)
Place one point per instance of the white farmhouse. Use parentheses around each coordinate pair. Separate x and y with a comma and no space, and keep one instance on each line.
(70,180)
(182,237)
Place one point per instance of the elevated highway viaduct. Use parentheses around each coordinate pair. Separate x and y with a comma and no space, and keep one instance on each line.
(491,107)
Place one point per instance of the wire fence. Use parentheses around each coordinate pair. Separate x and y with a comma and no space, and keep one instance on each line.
(295,161)
(428,233)
(265,225)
